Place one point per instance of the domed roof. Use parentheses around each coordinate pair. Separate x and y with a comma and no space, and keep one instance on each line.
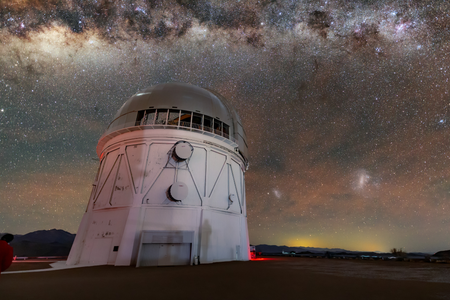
(184,97)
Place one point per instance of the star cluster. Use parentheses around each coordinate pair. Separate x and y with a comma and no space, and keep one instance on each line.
(345,104)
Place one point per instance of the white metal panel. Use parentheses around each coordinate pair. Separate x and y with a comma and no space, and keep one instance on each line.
(122,191)
(157,192)
(86,251)
(107,164)
(77,247)
(216,162)
(156,160)
(227,229)
(104,196)
(136,155)
(129,241)
(208,251)
(171,218)
(100,251)
(237,172)
(219,197)
(236,205)
(244,198)
(108,224)
(245,242)
(238,252)
(220,235)
(194,194)
(197,166)
(109,161)
(100,178)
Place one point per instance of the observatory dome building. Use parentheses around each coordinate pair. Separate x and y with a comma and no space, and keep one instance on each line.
(170,185)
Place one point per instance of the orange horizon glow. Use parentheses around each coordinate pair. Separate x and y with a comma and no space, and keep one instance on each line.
(355,244)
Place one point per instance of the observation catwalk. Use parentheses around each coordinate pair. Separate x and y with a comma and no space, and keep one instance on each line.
(170,186)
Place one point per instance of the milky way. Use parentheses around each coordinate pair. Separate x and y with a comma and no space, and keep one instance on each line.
(345,104)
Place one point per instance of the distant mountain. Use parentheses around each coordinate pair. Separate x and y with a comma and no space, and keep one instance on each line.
(54,242)
(57,242)
(277,249)
(445,253)
(273,249)
(47,237)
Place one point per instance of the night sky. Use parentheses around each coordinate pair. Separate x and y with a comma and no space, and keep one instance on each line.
(345,103)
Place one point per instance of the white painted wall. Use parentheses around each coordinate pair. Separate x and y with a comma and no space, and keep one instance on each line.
(129,197)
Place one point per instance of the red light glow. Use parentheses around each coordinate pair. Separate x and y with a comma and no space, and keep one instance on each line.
(263,258)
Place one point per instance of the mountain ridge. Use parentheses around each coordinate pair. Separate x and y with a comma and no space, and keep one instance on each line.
(53,242)
(58,242)
(272,249)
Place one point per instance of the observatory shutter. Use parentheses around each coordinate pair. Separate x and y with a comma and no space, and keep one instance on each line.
(165,248)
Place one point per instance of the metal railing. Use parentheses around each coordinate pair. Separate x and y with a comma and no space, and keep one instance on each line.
(181,126)
(195,128)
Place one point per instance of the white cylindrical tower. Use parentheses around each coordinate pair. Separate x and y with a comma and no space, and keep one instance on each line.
(170,187)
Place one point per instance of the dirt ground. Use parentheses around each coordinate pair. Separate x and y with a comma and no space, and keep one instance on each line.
(281,278)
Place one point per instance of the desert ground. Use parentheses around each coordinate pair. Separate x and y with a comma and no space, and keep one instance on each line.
(265,278)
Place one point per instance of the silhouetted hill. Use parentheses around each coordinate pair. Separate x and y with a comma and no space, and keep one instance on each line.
(445,253)
(277,249)
(54,242)
(57,242)
(273,249)
(47,236)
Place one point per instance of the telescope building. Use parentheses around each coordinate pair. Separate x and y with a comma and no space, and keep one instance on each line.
(170,186)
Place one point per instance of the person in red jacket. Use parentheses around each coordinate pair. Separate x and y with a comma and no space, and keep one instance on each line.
(6,252)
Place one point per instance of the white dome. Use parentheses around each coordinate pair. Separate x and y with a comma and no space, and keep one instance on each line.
(182,97)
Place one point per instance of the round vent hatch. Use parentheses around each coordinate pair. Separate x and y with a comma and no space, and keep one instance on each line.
(182,151)
(177,191)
